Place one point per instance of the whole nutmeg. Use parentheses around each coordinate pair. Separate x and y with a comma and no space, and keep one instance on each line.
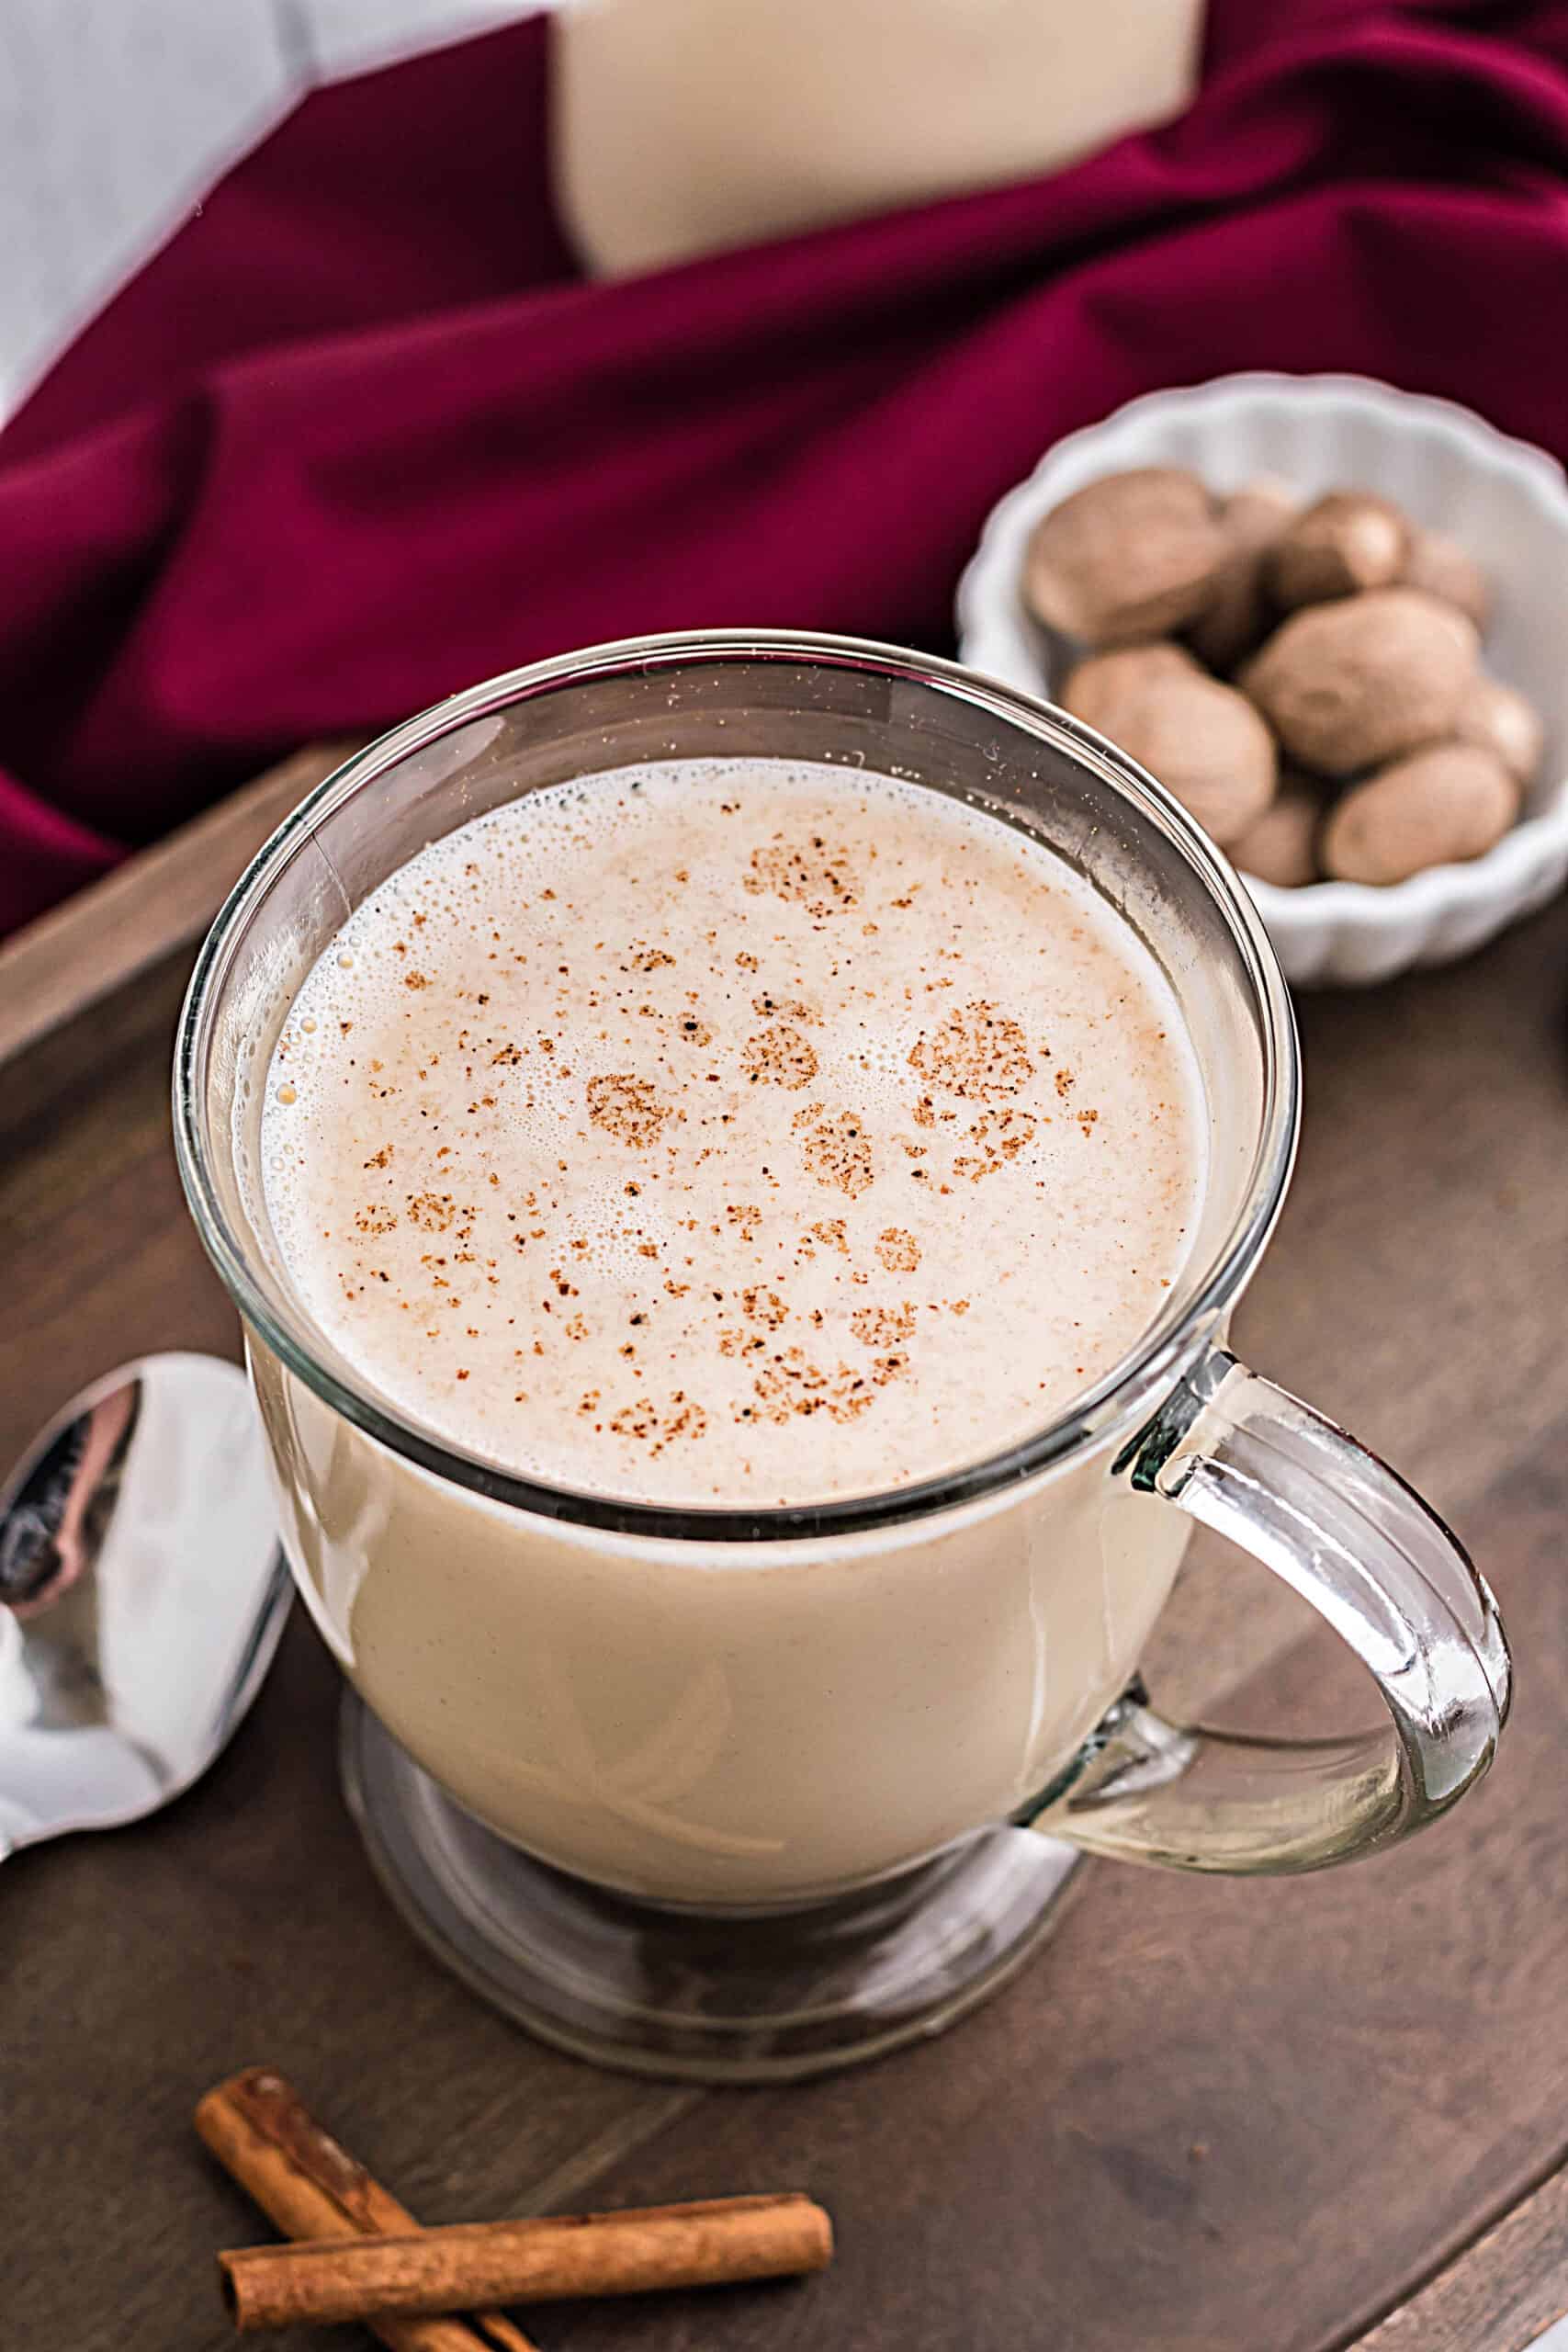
(1281,847)
(1440,807)
(1501,720)
(1126,557)
(1100,690)
(1201,740)
(1351,540)
(1236,616)
(1439,566)
(1350,685)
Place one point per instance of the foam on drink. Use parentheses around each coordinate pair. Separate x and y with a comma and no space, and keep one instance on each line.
(740,1132)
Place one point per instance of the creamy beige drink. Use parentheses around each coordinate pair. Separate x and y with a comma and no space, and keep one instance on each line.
(733,1135)
(741,1134)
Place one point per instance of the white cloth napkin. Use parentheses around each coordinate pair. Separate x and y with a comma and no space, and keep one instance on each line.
(115,119)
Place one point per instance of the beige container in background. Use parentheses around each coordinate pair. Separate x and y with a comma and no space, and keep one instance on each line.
(682,126)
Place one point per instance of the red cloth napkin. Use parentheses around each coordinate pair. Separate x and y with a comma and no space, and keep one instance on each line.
(359,435)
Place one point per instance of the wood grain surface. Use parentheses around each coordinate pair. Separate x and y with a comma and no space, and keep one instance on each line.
(1501,2293)
(1258,2116)
(77,984)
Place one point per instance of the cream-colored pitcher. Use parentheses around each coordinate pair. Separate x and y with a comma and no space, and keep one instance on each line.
(682,126)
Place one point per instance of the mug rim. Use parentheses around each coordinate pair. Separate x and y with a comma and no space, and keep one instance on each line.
(1136,1384)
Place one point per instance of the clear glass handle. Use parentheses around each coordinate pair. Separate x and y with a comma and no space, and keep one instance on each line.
(1240,1456)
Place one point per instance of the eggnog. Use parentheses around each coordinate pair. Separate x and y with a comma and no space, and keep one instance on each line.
(744,1134)
(733,1133)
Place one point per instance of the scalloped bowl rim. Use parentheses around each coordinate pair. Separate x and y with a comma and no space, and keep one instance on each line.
(1512,864)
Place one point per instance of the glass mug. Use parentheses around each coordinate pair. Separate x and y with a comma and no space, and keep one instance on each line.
(737,1793)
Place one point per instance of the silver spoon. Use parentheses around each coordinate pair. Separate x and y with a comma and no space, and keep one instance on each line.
(142,1596)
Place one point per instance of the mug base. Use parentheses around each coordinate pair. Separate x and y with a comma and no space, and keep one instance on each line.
(691,1997)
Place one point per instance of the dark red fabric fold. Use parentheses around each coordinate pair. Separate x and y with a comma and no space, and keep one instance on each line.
(359,435)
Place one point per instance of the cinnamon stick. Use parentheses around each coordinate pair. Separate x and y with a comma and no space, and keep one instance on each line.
(261,2131)
(708,2245)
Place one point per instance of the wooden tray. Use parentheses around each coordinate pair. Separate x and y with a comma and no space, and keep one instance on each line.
(1259,2116)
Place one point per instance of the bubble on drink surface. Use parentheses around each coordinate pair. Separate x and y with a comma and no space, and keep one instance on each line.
(866,1060)
(628,1235)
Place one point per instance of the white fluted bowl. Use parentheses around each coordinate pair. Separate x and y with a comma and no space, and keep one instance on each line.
(1505,502)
